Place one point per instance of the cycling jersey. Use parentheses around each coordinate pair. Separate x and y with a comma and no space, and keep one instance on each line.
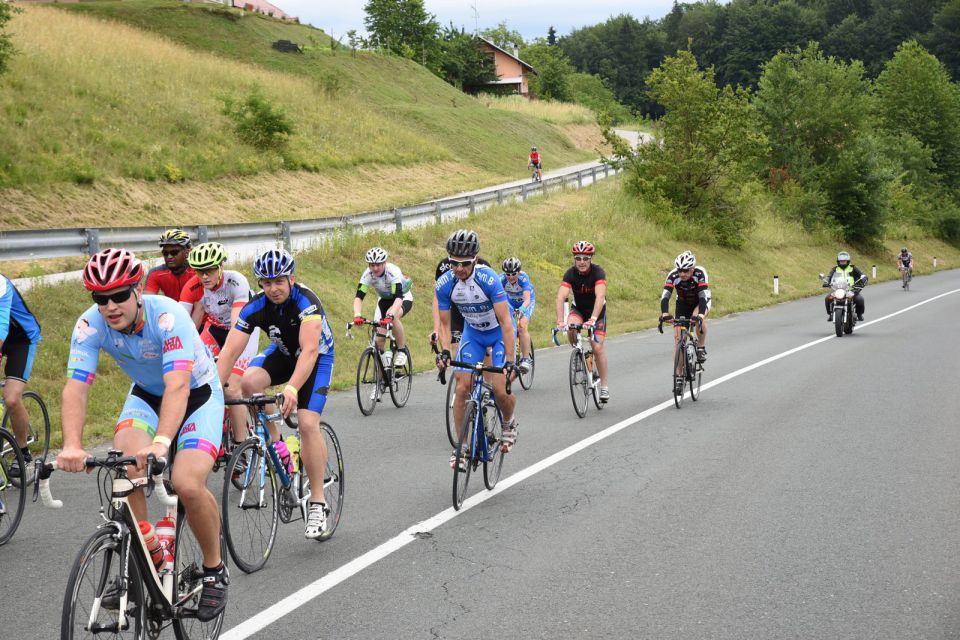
(535,159)
(515,291)
(232,292)
(695,291)
(584,285)
(390,284)
(474,297)
(456,318)
(166,341)
(161,279)
(17,324)
(905,260)
(282,322)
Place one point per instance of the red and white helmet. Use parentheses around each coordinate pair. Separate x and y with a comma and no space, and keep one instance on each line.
(583,248)
(112,268)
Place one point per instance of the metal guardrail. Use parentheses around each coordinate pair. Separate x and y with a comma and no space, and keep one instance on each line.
(245,239)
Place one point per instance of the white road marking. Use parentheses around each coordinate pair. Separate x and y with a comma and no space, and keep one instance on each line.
(299,598)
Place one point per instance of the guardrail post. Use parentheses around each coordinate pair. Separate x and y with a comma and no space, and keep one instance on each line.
(471,204)
(285,235)
(203,234)
(593,175)
(93,242)
(580,179)
(398,219)
(438,212)
(523,192)
(499,196)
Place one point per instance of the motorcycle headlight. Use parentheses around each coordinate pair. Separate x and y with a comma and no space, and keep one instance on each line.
(840,294)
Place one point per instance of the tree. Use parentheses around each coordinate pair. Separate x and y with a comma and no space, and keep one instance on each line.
(463,64)
(7,50)
(404,28)
(944,39)
(503,36)
(551,36)
(551,82)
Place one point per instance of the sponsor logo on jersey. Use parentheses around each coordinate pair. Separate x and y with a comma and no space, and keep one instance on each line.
(190,427)
(171,344)
(165,322)
(83,330)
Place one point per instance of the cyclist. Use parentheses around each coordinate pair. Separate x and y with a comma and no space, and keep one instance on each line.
(905,263)
(588,283)
(214,297)
(456,318)
(693,297)
(477,291)
(175,397)
(521,295)
(170,277)
(396,298)
(533,162)
(854,275)
(300,355)
(19,336)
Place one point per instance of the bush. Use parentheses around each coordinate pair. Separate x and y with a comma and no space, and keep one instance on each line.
(257,122)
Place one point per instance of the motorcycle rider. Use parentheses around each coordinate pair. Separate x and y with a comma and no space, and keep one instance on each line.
(854,277)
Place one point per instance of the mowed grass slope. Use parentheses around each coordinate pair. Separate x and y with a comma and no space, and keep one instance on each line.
(635,253)
(134,90)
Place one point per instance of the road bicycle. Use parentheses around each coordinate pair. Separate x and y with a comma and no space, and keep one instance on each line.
(906,275)
(451,390)
(526,379)
(687,368)
(13,483)
(584,376)
(537,175)
(482,430)
(377,372)
(258,491)
(114,589)
(38,425)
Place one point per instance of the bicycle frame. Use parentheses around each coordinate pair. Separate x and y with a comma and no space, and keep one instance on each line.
(478,387)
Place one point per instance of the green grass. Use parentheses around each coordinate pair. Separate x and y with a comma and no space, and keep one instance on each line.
(635,253)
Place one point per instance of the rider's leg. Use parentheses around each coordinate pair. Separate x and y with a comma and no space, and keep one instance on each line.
(189,476)
(238,413)
(600,353)
(13,399)
(524,337)
(858,303)
(313,448)
(135,429)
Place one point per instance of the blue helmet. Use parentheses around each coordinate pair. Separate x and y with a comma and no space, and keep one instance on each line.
(273,264)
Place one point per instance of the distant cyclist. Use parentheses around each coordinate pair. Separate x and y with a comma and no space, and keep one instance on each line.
(588,284)
(689,280)
(395,298)
(854,276)
(214,298)
(533,162)
(170,277)
(905,263)
(521,295)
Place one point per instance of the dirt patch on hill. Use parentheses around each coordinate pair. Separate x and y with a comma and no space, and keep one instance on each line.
(586,136)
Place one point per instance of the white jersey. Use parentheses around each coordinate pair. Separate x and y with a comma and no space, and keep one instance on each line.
(233,292)
(384,284)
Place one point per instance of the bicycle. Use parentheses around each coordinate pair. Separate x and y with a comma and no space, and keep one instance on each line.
(377,372)
(38,438)
(114,587)
(483,425)
(526,379)
(584,376)
(686,366)
(906,275)
(537,175)
(253,504)
(12,486)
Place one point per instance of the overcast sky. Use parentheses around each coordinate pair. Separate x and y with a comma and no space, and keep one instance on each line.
(531,18)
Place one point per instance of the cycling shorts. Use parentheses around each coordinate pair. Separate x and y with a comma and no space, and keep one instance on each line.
(215,337)
(577,316)
(385,303)
(474,344)
(20,356)
(686,310)
(202,428)
(313,393)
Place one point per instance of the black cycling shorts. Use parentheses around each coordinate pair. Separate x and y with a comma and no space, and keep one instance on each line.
(20,356)
(385,304)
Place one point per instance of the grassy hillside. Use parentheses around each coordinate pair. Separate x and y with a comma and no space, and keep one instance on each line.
(116,108)
(635,253)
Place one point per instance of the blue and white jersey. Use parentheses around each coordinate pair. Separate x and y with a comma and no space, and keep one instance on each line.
(515,291)
(17,324)
(167,341)
(474,297)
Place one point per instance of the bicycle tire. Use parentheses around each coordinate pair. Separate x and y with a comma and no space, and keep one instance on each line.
(679,364)
(461,479)
(526,379)
(38,438)
(13,490)
(401,381)
(369,379)
(250,512)
(595,389)
(333,481)
(579,387)
(188,568)
(493,431)
(99,562)
(448,408)
(695,383)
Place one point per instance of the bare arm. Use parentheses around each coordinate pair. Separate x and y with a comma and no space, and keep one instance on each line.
(232,348)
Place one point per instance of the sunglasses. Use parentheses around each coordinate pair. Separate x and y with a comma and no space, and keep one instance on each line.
(460,263)
(512,273)
(582,258)
(685,270)
(171,252)
(118,297)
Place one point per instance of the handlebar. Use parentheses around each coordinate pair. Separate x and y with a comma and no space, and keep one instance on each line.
(591,329)
(478,367)
(155,466)
(256,400)
(681,321)
(351,325)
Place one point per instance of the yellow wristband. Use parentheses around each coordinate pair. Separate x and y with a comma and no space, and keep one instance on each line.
(292,389)
(594,318)
(164,440)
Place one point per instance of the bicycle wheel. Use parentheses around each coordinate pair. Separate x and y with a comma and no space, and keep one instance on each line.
(188,567)
(402,381)
(38,428)
(98,567)
(448,409)
(249,510)
(526,379)
(461,479)
(693,371)
(579,382)
(333,481)
(595,388)
(368,381)
(679,375)
(493,426)
(13,488)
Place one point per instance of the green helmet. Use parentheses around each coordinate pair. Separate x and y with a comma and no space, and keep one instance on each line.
(207,256)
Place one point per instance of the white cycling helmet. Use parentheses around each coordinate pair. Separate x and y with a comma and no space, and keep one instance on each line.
(685,260)
(376,255)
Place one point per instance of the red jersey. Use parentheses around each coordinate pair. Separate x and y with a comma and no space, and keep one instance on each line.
(161,279)
(535,157)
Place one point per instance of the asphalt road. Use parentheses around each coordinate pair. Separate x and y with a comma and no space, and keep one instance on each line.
(810,495)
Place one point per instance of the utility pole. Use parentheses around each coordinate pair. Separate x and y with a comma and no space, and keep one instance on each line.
(476,19)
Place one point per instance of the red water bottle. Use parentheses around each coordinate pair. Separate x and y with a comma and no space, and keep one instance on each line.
(166,533)
(153,543)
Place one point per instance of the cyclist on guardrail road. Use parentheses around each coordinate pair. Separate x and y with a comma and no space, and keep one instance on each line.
(905,262)
(588,283)
(534,162)
(396,298)
(477,292)
(456,318)
(854,275)
(689,280)
(19,336)
(176,396)
(300,354)
(170,277)
(214,297)
(520,293)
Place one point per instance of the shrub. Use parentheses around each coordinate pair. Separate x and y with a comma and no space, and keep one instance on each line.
(257,121)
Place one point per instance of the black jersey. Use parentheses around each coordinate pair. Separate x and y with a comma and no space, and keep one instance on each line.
(282,322)
(584,286)
(695,291)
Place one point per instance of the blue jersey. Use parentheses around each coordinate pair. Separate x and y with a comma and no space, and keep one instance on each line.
(17,324)
(167,341)
(474,297)
(515,291)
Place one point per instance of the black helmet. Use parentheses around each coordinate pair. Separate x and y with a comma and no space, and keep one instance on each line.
(511,265)
(904,250)
(463,242)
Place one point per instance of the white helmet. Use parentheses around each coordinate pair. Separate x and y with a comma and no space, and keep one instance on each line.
(685,260)
(376,255)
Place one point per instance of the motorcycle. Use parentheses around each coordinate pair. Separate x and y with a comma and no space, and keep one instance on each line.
(842,301)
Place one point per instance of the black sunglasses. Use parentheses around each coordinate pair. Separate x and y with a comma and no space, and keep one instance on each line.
(512,273)
(460,263)
(118,297)
(171,252)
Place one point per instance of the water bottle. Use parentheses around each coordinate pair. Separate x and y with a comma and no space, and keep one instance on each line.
(154,548)
(167,534)
(293,446)
(281,448)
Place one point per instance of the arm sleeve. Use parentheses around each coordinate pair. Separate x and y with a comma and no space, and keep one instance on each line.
(665,298)
(397,290)
(6,304)
(361,291)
